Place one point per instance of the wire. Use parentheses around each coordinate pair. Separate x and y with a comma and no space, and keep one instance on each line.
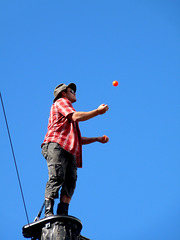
(14,159)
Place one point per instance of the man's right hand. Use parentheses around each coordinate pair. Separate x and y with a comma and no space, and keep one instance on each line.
(102,108)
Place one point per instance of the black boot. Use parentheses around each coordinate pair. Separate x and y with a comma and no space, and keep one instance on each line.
(62,208)
(49,204)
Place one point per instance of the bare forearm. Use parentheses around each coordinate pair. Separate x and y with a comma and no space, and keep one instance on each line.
(86,140)
(83,116)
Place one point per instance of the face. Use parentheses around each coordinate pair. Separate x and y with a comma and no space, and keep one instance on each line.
(70,95)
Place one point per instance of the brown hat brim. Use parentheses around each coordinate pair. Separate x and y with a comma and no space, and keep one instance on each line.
(72,86)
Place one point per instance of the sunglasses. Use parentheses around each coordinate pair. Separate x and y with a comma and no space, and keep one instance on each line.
(71,91)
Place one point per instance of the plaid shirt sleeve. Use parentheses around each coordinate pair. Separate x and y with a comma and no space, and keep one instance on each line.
(64,106)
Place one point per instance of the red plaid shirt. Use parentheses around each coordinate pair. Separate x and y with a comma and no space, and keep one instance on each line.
(64,131)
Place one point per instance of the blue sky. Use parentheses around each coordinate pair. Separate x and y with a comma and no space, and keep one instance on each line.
(129,188)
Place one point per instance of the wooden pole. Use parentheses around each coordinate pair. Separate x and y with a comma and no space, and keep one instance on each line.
(55,227)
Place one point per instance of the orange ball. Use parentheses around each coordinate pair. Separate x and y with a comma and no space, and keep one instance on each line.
(115,83)
(104,137)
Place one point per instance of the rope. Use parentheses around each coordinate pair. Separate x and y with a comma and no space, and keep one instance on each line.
(14,159)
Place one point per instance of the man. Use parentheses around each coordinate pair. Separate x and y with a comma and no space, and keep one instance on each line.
(62,147)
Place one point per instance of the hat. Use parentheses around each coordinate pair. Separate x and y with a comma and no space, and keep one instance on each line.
(61,87)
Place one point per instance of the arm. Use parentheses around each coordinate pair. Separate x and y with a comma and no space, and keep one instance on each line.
(103,139)
(83,116)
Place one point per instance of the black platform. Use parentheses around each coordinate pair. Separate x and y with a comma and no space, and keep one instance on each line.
(54,227)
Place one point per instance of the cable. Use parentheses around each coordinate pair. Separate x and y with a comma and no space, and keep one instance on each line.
(14,159)
(39,213)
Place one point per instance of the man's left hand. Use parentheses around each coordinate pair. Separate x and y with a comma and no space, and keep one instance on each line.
(103,139)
